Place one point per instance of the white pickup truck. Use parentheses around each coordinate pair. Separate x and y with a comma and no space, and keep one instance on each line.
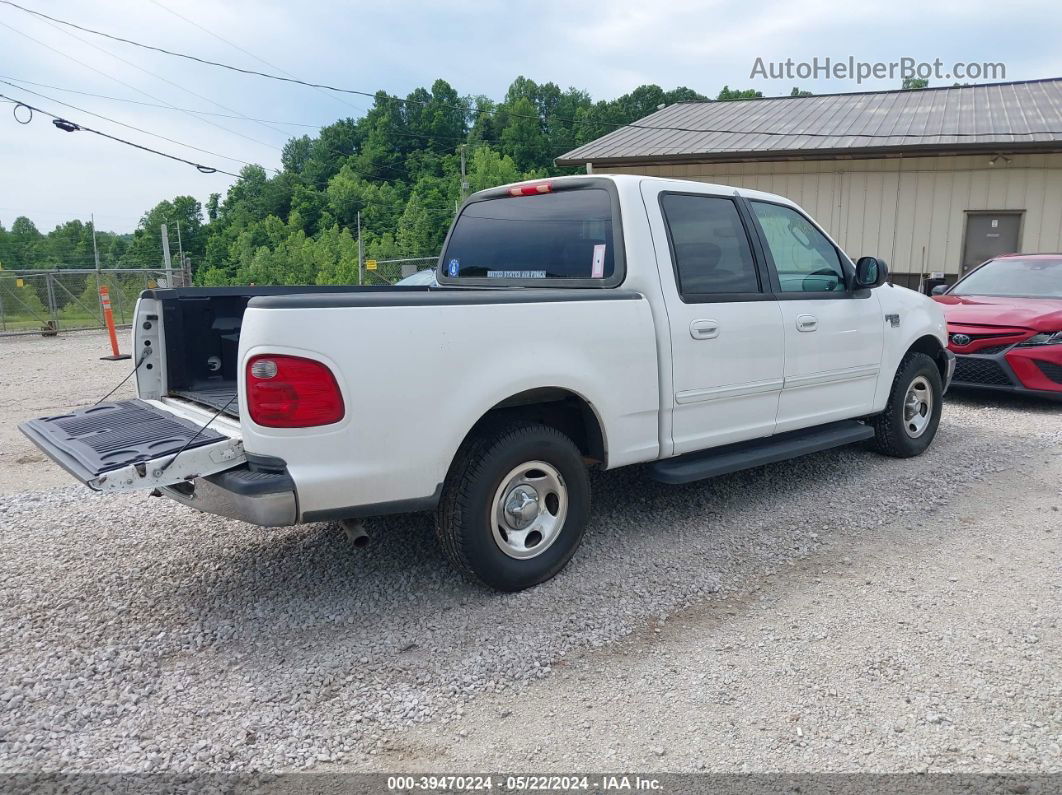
(580,321)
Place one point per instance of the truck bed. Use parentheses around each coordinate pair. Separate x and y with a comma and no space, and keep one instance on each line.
(202,337)
(222,397)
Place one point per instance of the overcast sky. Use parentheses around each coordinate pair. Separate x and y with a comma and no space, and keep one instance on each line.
(607,48)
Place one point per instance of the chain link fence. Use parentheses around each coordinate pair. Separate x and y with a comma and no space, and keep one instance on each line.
(389,271)
(47,302)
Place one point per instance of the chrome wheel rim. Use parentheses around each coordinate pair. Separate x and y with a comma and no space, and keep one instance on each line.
(529,509)
(917,407)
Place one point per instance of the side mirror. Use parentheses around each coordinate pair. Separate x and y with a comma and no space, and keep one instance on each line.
(940,289)
(870,272)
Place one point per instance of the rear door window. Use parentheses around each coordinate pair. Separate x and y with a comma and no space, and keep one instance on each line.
(709,246)
(562,235)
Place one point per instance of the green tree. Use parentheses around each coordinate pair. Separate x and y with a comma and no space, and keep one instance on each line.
(488,168)
(728,94)
(336,257)
(397,167)
(145,248)
(327,152)
(910,83)
(25,241)
(6,249)
(427,217)
(522,137)
(212,207)
(380,203)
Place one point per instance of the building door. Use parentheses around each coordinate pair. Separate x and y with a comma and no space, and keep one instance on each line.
(990,234)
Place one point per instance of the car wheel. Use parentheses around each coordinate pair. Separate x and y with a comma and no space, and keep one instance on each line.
(909,423)
(514,506)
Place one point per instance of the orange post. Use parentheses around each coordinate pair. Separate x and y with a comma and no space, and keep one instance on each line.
(108,317)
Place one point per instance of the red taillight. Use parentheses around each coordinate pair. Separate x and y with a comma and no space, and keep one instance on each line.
(531,190)
(292,392)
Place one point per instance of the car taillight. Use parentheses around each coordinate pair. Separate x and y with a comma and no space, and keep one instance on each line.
(292,392)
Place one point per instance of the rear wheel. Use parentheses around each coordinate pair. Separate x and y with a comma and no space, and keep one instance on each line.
(514,506)
(909,423)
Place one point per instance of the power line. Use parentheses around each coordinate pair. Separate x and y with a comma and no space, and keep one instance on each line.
(154,104)
(365,173)
(128,85)
(158,77)
(128,126)
(205,61)
(68,126)
(296,81)
(262,74)
(390,130)
(370,173)
(221,38)
(468,109)
(361,172)
(178,86)
(64,214)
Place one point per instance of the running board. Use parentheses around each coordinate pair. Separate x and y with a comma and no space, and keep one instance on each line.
(769,450)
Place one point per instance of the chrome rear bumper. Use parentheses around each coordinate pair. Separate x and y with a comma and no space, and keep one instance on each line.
(266,499)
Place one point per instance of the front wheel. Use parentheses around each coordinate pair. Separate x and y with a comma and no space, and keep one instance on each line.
(514,506)
(909,423)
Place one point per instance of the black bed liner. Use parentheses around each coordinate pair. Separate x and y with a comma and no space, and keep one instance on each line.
(97,439)
(220,398)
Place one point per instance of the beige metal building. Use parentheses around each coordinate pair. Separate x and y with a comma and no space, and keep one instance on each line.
(934,181)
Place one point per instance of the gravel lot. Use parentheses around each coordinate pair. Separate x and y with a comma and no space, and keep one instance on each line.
(48,375)
(843,611)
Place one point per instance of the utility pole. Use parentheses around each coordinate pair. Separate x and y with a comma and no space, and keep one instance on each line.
(361,251)
(180,253)
(464,178)
(96,256)
(180,246)
(95,250)
(166,255)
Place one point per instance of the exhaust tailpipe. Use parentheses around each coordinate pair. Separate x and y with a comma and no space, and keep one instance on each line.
(356,533)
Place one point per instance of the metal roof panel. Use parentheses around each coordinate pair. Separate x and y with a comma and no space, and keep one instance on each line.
(979,115)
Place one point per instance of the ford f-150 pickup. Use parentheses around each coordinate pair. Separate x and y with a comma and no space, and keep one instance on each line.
(580,321)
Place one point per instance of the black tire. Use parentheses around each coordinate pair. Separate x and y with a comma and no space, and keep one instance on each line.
(465,516)
(892,429)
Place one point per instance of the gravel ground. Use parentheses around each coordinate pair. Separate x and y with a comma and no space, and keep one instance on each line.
(136,634)
(932,645)
(40,376)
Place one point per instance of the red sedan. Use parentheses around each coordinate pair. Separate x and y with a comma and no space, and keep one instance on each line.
(1005,325)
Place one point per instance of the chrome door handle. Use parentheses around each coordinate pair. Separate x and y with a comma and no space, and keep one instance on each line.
(704,329)
(807,322)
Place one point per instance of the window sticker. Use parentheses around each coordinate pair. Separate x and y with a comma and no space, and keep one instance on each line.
(597,268)
(453,267)
(516,274)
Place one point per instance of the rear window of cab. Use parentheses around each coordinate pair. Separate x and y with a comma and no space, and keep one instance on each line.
(567,234)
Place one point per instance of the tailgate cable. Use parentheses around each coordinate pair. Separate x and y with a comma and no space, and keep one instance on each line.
(167,465)
(143,356)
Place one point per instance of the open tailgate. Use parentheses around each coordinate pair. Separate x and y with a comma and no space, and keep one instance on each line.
(131,444)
